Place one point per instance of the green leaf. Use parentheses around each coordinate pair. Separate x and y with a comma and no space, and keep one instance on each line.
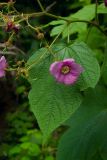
(85,1)
(49,158)
(58,29)
(51,102)
(86,13)
(31,148)
(25,145)
(104,65)
(77,27)
(20,89)
(25,158)
(15,150)
(57,22)
(34,150)
(87,136)
(67,29)
(102,9)
(94,36)
(84,56)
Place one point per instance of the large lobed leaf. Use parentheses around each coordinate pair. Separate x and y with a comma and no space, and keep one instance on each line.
(51,102)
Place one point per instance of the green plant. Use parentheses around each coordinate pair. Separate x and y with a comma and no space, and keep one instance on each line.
(79,38)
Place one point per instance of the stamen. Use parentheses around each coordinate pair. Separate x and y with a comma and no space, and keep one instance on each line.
(65,69)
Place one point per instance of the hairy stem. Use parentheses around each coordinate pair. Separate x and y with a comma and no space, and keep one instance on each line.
(65,19)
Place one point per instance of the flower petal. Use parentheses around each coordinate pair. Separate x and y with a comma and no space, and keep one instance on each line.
(60,78)
(3,63)
(70,79)
(69,60)
(55,68)
(76,69)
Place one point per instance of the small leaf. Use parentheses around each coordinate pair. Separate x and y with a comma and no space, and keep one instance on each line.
(57,22)
(58,29)
(102,9)
(49,158)
(77,27)
(86,13)
(15,150)
(25,158)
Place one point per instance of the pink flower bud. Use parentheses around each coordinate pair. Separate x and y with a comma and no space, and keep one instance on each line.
(9,26)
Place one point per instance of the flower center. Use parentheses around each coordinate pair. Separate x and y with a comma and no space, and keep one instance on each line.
(65,69)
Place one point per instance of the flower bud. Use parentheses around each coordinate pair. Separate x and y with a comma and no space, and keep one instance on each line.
(9,26)
(40,36)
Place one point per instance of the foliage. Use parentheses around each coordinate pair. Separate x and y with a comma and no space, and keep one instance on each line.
(77,31)
(21,139)
(54,109)
(87,129)
(29,147)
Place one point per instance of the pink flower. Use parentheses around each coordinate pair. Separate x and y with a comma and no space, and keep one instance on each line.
(66,71)
(3,65)
(105,1)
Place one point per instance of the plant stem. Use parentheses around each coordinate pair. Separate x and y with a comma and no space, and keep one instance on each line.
(73,21)
(41,6)
(44,13)
(48,49)
(56,17)
(68,37)
(67,20)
